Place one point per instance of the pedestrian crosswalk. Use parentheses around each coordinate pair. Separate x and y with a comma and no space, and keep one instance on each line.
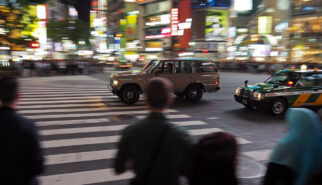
(80,121)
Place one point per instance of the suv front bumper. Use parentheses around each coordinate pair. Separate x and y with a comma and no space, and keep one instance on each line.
(251,102)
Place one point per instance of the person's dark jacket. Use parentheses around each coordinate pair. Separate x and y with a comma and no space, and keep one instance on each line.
(278,174)
(21,157)
(137,146)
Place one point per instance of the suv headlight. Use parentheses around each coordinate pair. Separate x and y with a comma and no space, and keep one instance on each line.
(237,91)
(115,82)
(257,96)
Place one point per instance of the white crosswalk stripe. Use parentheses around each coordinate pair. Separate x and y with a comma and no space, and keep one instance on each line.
(86,177)
(79,113)
(66,98)
(76,115)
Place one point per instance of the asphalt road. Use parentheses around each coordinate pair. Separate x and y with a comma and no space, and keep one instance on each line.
(80,121)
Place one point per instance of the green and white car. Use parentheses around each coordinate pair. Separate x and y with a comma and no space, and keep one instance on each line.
(286,88)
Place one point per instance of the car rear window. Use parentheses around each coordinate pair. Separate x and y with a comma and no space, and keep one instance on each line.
(203,67)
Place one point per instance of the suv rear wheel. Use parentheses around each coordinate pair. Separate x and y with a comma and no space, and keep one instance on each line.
(194,93)
(130,94)
(278,106)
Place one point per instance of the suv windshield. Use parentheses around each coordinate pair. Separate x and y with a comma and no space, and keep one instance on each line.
(283,78)
(150,66)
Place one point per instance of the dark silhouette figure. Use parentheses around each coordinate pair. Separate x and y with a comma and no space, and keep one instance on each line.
(214,160)
(21,157)
(156,150)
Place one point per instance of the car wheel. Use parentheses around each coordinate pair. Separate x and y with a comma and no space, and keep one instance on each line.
(179,95)
(130,95)
(194,93)
(278,106)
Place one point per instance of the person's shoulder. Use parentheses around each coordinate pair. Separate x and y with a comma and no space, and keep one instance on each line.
(26,124)
(134,127)
(179,131)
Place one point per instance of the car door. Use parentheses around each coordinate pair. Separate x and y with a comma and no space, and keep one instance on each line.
(307,90)
(183,75)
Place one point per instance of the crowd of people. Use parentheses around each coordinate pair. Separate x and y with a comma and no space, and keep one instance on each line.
(160,153)
(28,68)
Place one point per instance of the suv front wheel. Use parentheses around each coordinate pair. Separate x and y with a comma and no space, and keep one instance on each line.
(130,94)
(194,93)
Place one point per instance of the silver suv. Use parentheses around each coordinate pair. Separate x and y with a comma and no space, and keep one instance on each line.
(190,77)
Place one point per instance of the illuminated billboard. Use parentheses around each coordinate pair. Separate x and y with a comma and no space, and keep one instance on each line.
(216,24)
(210,3)
(174,21)
(158,20)
(265,24)
(41,12)
(131,21)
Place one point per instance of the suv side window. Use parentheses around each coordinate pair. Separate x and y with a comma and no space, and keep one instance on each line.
(165,67)
(183,67)
(319,79)
(204,67)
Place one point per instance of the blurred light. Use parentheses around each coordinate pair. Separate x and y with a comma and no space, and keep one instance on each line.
(290,83)
(153,49)
(270,10)
(303,67)
(85,52)
(158,20)
(82,42)
(4,48)
(281,26)
(259,59)
(274,53)
(154,36)
(118,35)
(185,25)
(189,20)
(180,32)
(174,21)
(242,30)
(185,54)
(192,43)
(72,12)
(243,5)
(265,24)
(133,12)
(151,57)
(34,45)
(41,12)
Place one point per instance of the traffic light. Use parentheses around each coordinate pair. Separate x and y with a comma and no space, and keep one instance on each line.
(34,45)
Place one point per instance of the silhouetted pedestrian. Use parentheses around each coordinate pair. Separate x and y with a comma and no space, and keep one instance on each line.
(21,157)
(156,150)
(296,158)
(214,160)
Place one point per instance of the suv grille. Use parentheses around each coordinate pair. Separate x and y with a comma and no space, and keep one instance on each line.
(245,93)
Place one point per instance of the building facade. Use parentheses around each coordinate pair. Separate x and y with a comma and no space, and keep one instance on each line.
(305,33)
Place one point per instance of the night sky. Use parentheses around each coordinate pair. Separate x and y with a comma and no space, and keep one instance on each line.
(83,8)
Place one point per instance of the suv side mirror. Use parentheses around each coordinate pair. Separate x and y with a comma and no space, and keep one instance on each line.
(246,82)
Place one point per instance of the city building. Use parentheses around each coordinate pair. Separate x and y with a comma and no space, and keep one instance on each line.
(305,33)
(122,30)
(210,26)
(264,36)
